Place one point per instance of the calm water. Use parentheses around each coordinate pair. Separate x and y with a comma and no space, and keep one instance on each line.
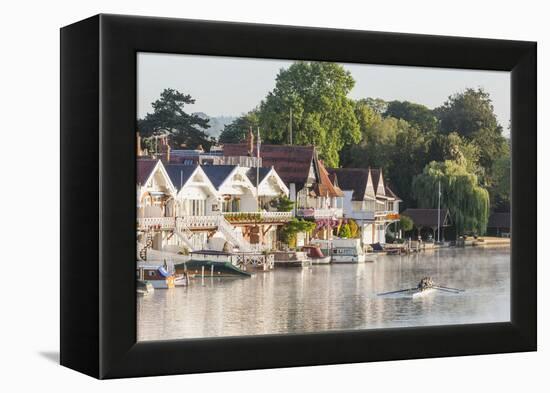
(334,297)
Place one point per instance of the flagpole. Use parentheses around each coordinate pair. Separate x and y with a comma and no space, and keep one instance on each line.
(258,169)
(439,212)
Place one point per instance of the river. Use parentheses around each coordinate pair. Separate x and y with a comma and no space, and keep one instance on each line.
(334,297)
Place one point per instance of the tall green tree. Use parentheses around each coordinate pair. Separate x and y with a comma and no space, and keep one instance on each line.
(311,98)
(467,201)
(471,114)
(392,144)
(417,115)
(467,112)
(500,189)
(237,130)
(169,116)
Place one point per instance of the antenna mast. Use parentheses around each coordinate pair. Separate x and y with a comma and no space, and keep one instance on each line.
(290,125)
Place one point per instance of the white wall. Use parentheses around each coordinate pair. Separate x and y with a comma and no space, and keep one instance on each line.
(31,69)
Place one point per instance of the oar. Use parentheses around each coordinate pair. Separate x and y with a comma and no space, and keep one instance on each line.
(454,289)
(446,290)
(401,290)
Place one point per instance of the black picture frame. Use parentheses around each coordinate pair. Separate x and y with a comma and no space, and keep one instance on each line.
(98,218)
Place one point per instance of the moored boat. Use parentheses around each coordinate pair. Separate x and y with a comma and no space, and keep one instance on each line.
(291,259)
(347,251)
(317,257)
(160,276)
(144,288)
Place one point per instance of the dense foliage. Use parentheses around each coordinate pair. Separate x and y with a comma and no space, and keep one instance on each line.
(237,130)
(289,231)
(345,231)
(406,223)
(467,201)
(282,204)
(311,99)
(460,142)
(168,117)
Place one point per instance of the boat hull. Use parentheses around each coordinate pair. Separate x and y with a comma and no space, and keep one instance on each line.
(210,269)
(348,258)
(321,261)
(421,293)
(167,283)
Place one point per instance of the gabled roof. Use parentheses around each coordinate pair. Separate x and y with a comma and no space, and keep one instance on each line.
(352,179)
(292,163)
(499,220)
(144,168)
(375,173)
(251,173)
(428,217)
(218,173)
(179,174)
(391,194)
(325,187)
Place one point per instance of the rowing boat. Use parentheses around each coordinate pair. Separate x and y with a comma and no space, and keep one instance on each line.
(424,287)
(421,292)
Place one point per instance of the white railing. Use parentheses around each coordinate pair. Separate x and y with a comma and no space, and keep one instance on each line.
(362,215)
(258,216)
(156,222)
(320,213)
(182,227)
(191,239)
(200,221)
(232,235)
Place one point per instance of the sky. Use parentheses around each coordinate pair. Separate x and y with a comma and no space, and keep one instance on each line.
(232,86)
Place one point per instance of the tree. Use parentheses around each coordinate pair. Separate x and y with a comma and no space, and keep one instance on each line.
(388,143)
(345,231)
(471,115)
(456,148)
(467,113)
(169,117)
(419,116)
(467,201)
(322,114)
(406,223)
(282,204)
(237,130)
(354,228)
(288,232)
(500,189)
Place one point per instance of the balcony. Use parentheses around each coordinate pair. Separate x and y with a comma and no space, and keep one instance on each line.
(387,215)
(164,223)
(362,215)
(310,212)
(260,217)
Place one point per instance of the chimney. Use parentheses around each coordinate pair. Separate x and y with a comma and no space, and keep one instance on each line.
(165,148)
(138,145)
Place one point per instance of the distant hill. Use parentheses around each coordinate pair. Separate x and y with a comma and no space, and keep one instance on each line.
(217,123)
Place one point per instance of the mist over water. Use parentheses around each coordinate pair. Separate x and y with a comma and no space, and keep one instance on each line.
(334,297)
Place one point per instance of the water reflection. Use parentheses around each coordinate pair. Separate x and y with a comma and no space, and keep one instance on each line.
(334,297)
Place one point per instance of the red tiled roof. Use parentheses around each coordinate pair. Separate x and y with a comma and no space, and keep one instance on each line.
(325,187)
(292,163)
(144,167)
